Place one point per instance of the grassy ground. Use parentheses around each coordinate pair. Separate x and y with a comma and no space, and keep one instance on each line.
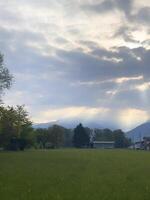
(75,175)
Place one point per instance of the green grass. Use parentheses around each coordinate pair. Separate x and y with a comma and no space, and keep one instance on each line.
(75,175)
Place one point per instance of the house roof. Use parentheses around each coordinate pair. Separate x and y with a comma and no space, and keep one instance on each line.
(103,142)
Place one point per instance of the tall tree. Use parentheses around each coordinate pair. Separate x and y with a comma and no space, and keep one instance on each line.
(41,135)
(7,130)
(5,76)
(56,136)
(120,140)
(81,137)
(103,135)
(14,127)
(68,135)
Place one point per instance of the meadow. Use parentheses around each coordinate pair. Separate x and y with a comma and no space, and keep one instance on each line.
(74,174)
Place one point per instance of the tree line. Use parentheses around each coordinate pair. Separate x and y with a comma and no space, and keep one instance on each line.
(79,137)
(17,133)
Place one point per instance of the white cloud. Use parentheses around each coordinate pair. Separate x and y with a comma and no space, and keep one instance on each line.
(70,113)
(129,118)
(125,79)
(119,80)
(143,87)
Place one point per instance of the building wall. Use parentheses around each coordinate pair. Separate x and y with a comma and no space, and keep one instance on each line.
(103,145)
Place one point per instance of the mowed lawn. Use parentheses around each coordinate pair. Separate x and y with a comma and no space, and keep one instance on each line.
(75,175)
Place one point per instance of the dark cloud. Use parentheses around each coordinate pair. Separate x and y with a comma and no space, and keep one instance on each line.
(103,7)
(143,15)
(109,5)
(134,62)
(125,6)
(126,33)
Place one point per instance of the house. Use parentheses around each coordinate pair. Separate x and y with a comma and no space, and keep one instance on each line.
(146,143)
(138,145)
(103,144)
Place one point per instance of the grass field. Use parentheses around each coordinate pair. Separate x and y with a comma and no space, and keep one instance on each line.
(75,175)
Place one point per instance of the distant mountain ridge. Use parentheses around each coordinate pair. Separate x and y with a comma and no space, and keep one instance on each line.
(44,125)
(139,132)
(68,124)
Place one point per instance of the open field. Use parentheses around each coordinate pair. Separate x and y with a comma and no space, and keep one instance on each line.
(75,175)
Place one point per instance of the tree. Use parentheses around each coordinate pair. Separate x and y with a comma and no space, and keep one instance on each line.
(56,136)
(103,135)
(7,130)
(41,135)
(15,127)
(5,76)
(68,135)
(120,140)
(81,137)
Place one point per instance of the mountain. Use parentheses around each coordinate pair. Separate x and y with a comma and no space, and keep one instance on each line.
(68,124)
(44,125)
(139,132)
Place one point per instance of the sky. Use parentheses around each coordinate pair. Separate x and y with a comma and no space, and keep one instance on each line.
(86,60)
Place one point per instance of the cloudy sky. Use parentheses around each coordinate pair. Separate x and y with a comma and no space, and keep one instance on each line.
(79,59)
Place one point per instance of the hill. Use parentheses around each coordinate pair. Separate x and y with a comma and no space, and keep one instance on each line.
(139,132)
(44,125)
(71,124)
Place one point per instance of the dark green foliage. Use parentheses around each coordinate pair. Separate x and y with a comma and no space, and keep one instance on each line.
(88,131)
(68,135)
(41,136)
(53,137)
(118,136)
(103,135)
(81,137)
(15,128)
(17,144)
(120,140)
(56,136)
